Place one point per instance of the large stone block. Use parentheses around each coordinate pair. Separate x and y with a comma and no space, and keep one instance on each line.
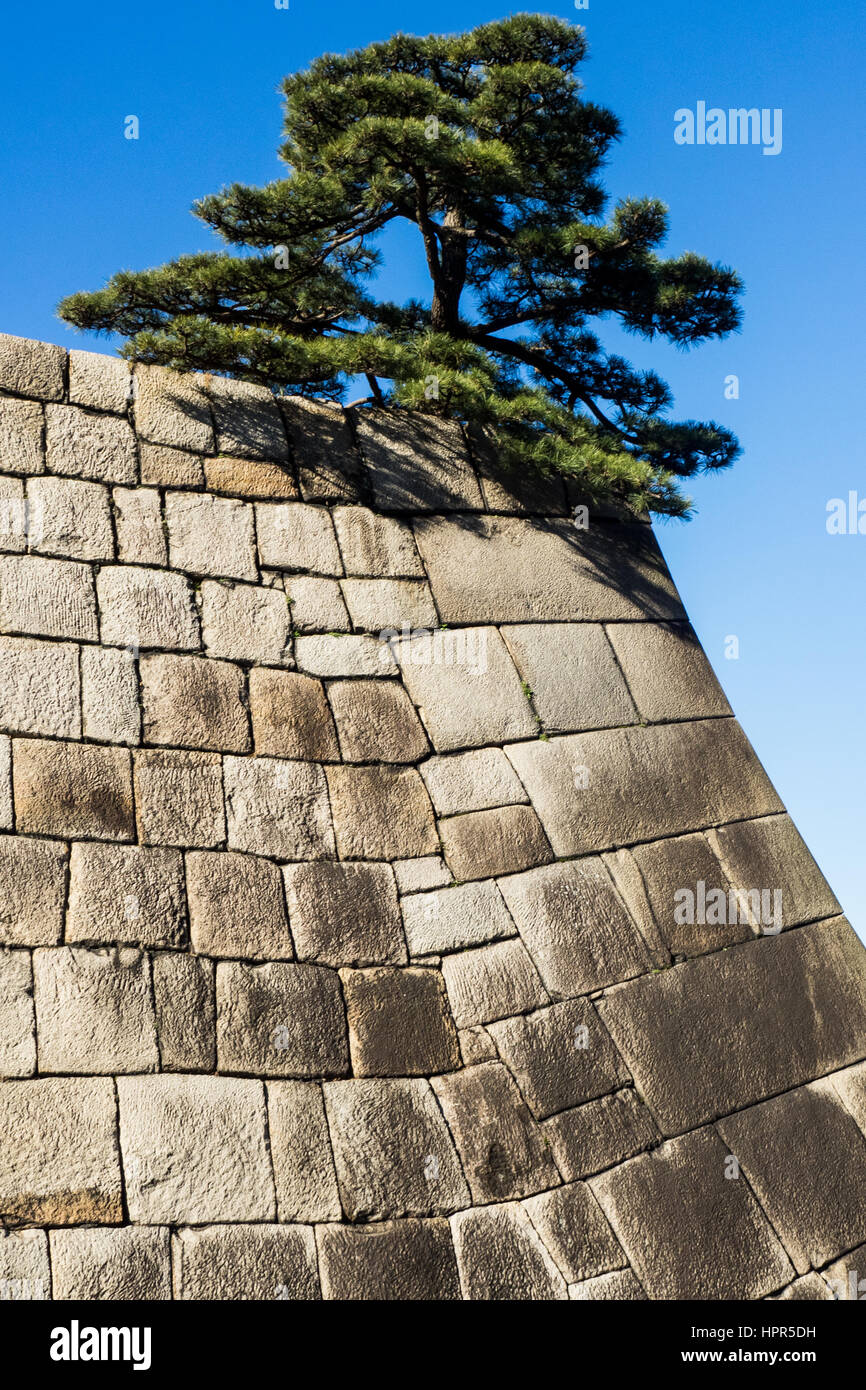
(575,926)
(100,382)
(417,875)
(211,535)
(13,510)
(381,813)
(485,844)
(501,1257)
(376,722)
(32,891)
(291,718)
(619,1286)
(250,478)
(671,869)
(474,698)
(138,519)
(349,654)
(769,854)
(99,447)
(516,570)
(399,1022)
(236,906)
(25,1273)
(667,671)
(280,1020)
(399,1261)
(21,427)
(301,1151)
(193,702)
(392,1149)
(173,409)
(47,598)
(59,1162)
(31,369)
(501,1146)
(572,672)
(165,467)
(559,1056)
(125,893)
(17,1020)
(803,1157)
(7,814)
(376,545)
(245,1263)
(492,982)
(94,1011)
(70,789)
(109,695)
(317,604)
(345,914)
(146,608)
(597,791)
(685,1226)
(575,1232)
(417,463)
(278,808)
(389,605)
(184,997)
(70,518)
(179,798)
(247,419)
(39,687)
(787,1009)
(244,622)
(600,1134)
(474,781)
(93,1265)
(194,1149)
(328,464)
(467,914)
(297,536)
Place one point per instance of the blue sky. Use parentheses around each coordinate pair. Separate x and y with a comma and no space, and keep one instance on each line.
(80,202)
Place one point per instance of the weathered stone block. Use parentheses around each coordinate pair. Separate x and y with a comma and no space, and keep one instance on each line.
(236,906)
(389,605)
(99,447)
(468,914)
(684,1225)
(345,914)
(250,478)
(109,694)
(376,722)
(802,1155)
(190,701)
(25,1274)
(297,536)
(417,463)
(381,813)
(474,781)
(518,490)
(194,1149)
(301,1150)
(247,419)
(13,510)
(344,655)
(575,1232)
(69,789)
(17,1020)
(278,808)
(559,1056)
(473,698)
(164,467)
(100,382)
(7,816)
(512,570)
(769,854)
(416,875)
(21,425)
(48,598)
(484,844)
(59,1163)
(392,1149)
(31,369)
(596,791)
(94,1011)
(617,1287)
(245,623)
(93,1265)
(328,464)
(789,1008)
(376,545)
(32,888)
(573,675)
(125,893)
(317,605)
(501,1257)
(241,1263)
(575,926)
(670,868)
(39,687)
(399,1022)
(291,718)
(391,1260)
(70,518)
(211,535)
(138,518)
(667,671)
(500,1145)
(600,1134)
(146,608)
(810,1289)
(280,1020)
(492,982)
(171,408)
(179,798)
(183,988)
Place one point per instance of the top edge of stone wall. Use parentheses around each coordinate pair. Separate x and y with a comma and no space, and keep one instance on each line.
(204,430)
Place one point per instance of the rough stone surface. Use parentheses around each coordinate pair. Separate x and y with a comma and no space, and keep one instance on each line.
(389,605)
(146,608)
(99,447)
(415,875)
(210,535)
(344,914)
(25,1272)
(183,988)
(250,478)
(770,854)
(490,982)
(468,914)
(109,695)
(376,545)
(138,520)
(572,672)
(399,1022)
(328,464)
(179,798)
(671,868)
(485,844)
(17,1021)
(39,687)
(102,383)
(70,518)
(247,420)
(667,672)
(297,536)
(559,1056)
(376,722)
(47,598)
(290,716)
(172,409)
(380,813)
(280,1020)
(68,789)
(191,702)
(94,1010)
(344,655)
(417,464)
(600,1134)
(13,509)
(125,893)
(31,369)
(127,1264)
(474,781)
(32,891)
(236,906)
(304,1173)
(390,1260)
(21,427)
(243,1263)
(474,698)
(278,808)
(617,1287)
(242,622)
(166,467)
(317,605)
(502,1258)
(572,1227)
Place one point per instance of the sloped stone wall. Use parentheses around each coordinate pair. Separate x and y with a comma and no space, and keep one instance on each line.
(348,794)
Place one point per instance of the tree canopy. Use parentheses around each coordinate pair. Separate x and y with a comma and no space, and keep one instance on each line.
(485,144)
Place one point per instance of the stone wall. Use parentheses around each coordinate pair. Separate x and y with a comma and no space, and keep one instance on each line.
(346,792)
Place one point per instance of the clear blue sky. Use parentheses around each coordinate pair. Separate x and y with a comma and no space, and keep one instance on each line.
(80,202)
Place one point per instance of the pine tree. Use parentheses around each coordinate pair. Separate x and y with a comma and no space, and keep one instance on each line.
(484,142)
